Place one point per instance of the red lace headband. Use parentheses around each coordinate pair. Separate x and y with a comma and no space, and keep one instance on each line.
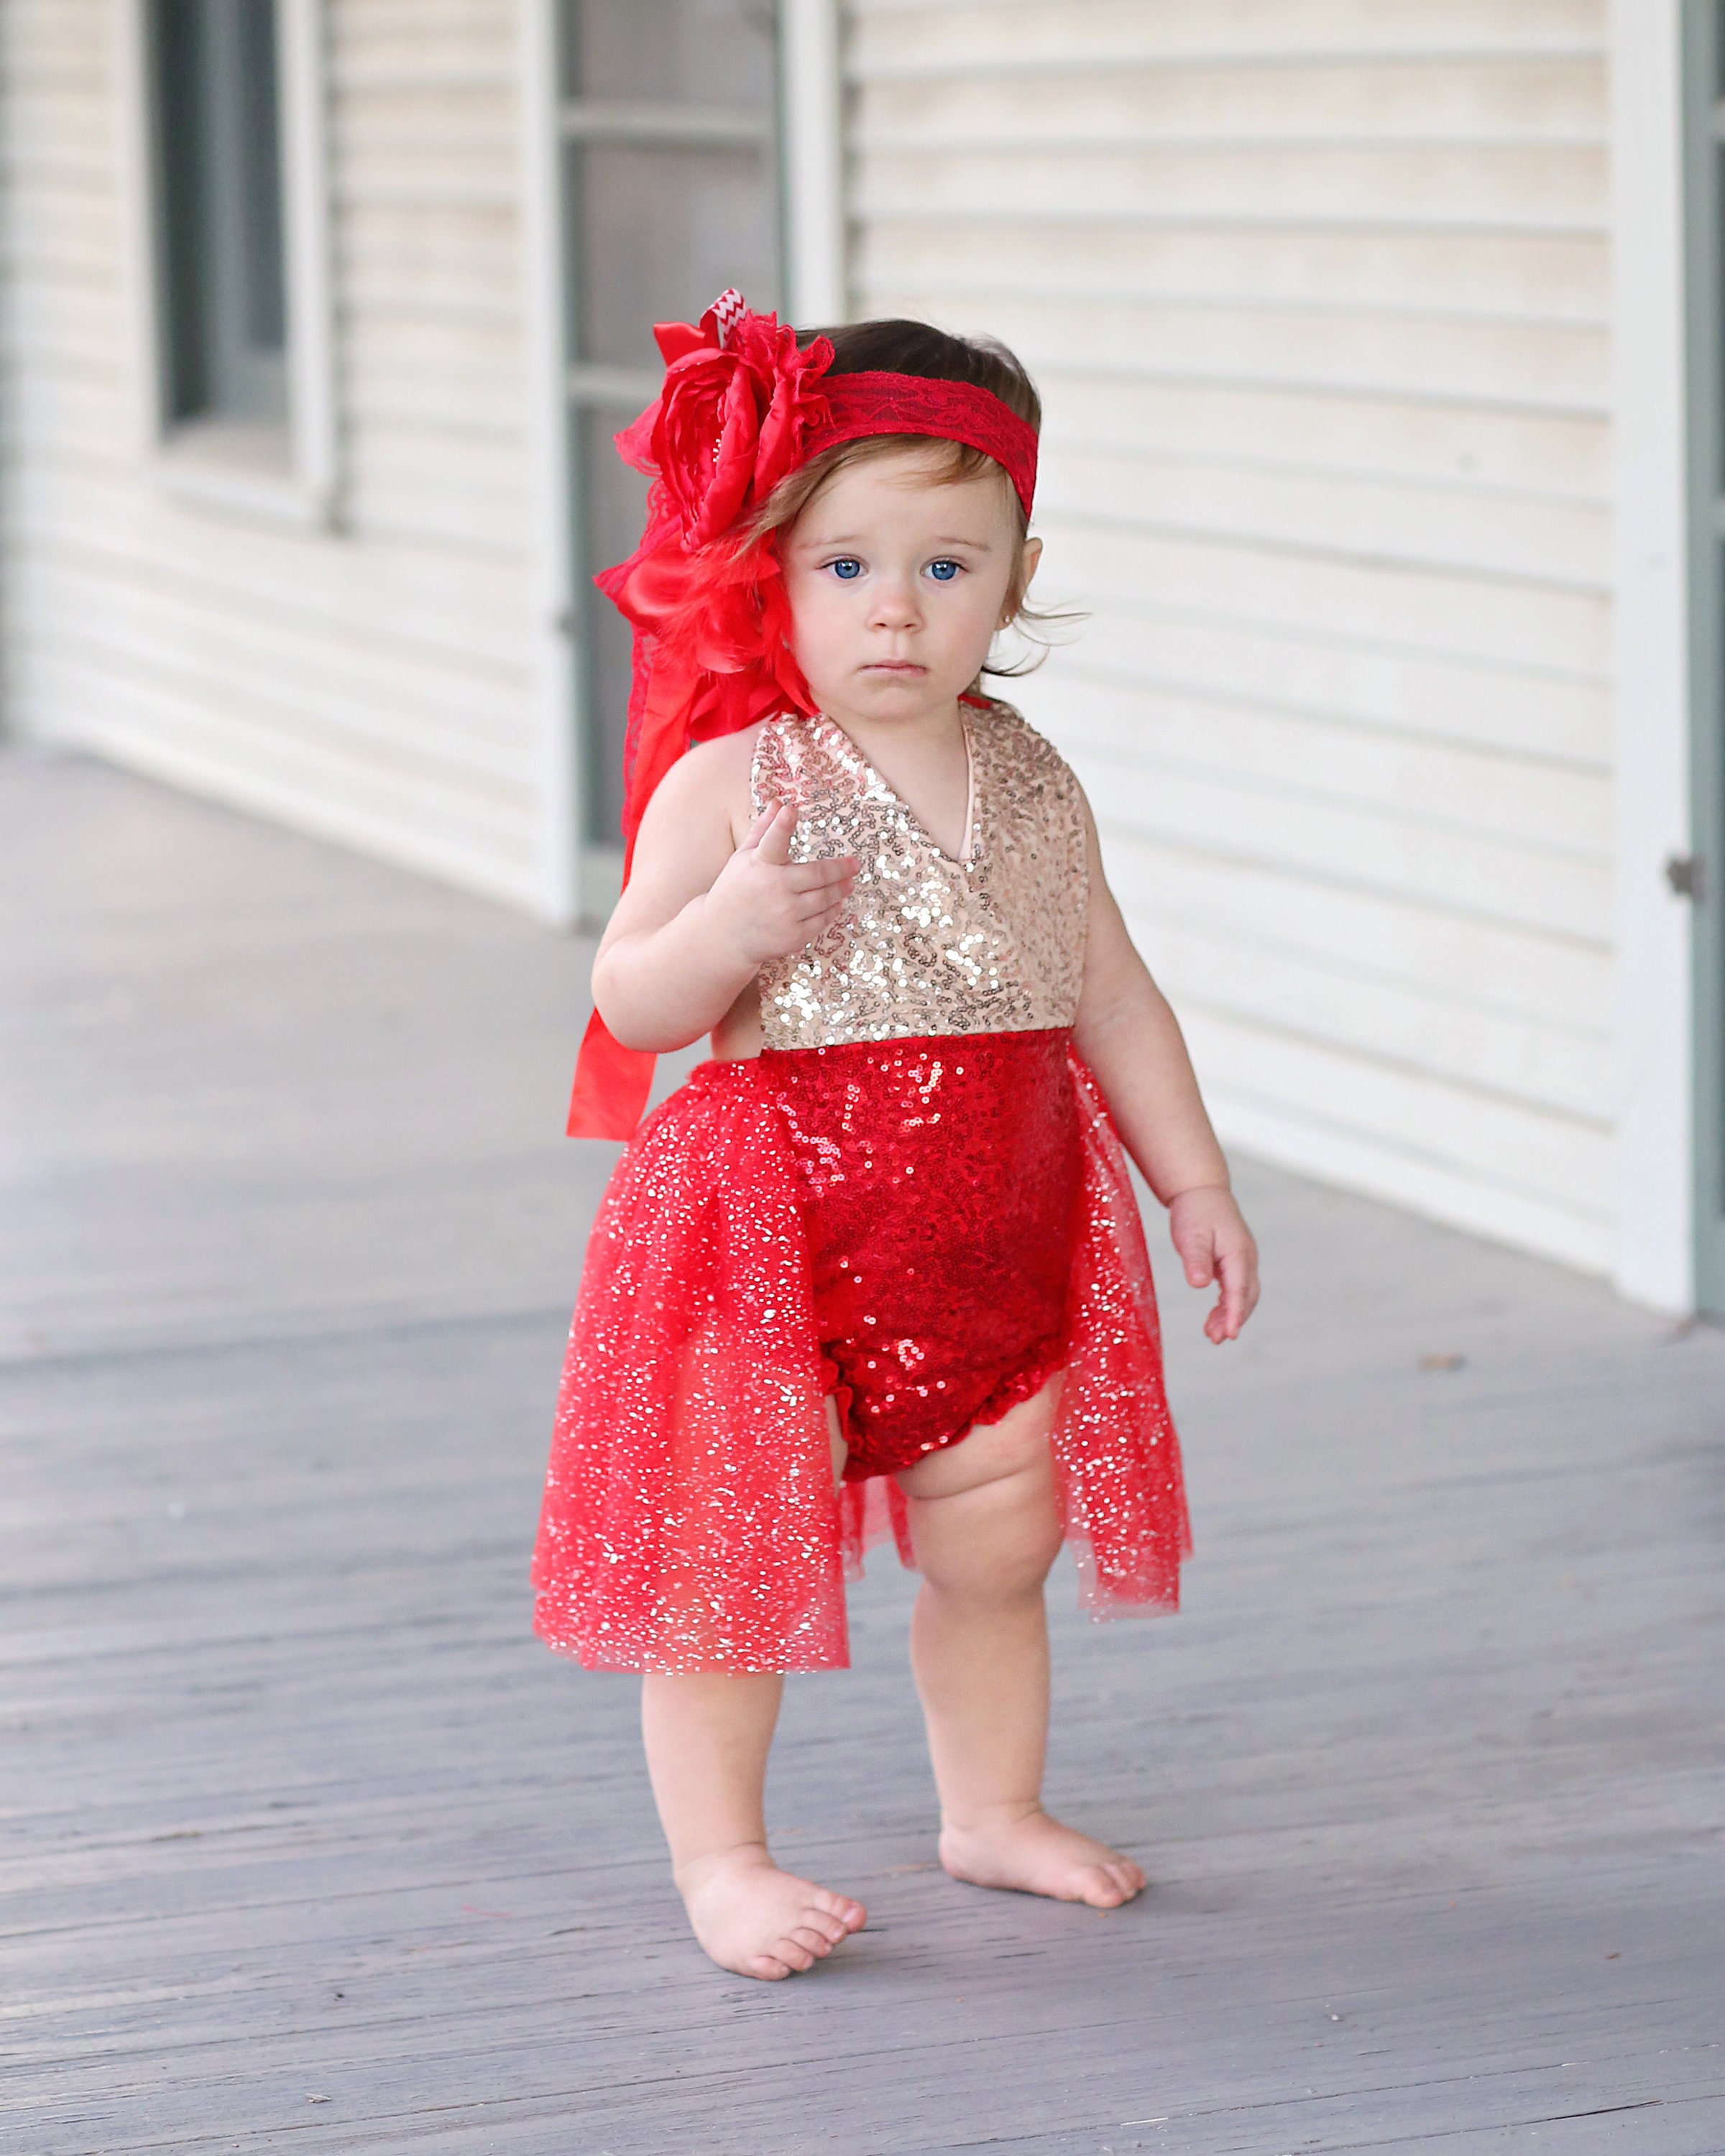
(742,408)
(864,404)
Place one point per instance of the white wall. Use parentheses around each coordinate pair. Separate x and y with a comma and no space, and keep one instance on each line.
(1318,295)
(381,682)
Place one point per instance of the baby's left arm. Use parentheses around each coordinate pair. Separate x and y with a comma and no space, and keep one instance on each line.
(1132,1040)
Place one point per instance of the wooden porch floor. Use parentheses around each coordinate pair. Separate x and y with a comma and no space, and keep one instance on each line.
(308,1845)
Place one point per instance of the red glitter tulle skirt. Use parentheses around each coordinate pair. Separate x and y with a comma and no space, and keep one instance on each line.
(925,1229)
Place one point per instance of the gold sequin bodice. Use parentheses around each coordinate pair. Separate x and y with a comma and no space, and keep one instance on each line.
(991,943)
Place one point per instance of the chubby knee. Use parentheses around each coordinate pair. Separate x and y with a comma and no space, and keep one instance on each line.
(993,1542)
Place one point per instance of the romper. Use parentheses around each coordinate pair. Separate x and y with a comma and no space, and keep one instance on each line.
(913,1200)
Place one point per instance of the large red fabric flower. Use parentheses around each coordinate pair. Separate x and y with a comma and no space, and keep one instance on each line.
(713,650)
(738,403)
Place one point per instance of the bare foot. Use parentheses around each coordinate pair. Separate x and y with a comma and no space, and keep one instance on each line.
(1029,1850)
(759,1921)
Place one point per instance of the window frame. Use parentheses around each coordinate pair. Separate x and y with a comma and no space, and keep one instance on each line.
(215,462)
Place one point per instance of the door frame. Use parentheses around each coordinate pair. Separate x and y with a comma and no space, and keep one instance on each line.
(1697,871)
(1653,1105)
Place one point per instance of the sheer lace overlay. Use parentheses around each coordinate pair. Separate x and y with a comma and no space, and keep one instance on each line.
(690,1521)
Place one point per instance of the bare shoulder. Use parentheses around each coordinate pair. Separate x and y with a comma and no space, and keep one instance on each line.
(707,786)
(697,819)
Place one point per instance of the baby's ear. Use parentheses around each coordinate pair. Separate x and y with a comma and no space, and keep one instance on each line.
(1028,559)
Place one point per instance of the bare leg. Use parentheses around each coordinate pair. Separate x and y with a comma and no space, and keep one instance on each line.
(707,1739)
(983,1523)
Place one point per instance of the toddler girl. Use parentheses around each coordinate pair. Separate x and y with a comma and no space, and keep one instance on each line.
(877,1267)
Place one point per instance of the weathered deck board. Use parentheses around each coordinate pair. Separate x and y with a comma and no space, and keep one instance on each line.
(308,1845)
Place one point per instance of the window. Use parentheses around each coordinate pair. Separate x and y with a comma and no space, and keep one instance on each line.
(667,116)
(219,181)
(224,171)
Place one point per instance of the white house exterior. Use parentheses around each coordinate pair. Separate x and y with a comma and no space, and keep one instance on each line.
(1379,366)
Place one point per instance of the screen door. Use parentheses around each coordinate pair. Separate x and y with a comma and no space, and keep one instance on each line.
(671,177)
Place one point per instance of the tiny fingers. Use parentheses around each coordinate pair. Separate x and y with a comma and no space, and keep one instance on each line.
(773,843)
(807,925)
(1199,1257)
(1240,1290)
(757,829)
(828,893)
(821,906)
(820,876)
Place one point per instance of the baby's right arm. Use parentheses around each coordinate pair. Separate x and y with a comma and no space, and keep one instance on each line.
(712,895)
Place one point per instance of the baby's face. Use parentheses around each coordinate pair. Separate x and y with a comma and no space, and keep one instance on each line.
(897,583)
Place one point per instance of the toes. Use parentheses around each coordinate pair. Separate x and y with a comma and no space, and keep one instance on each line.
(1102,1890)
(802,1923)
(1123,1875)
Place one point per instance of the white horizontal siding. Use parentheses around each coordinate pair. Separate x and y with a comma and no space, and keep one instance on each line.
(1317,292)
(1496,187)
(1348,435)
(356,693)
(1419,99)
(1023,33)
(378,683)
(1219,496)
(1542,278)
(1347,348)
(1513,621)
(1550,713)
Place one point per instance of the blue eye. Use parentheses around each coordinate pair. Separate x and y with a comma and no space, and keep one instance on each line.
(943,571)
(847,569)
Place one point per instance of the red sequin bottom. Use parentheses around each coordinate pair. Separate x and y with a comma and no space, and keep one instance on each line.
(926,1228)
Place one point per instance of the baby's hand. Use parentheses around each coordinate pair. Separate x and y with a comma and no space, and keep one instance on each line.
(1215,1243)
(765,906)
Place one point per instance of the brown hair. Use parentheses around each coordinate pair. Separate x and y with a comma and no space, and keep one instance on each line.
(899,347)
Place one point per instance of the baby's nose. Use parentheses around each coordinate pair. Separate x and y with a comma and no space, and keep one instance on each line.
(895,603)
